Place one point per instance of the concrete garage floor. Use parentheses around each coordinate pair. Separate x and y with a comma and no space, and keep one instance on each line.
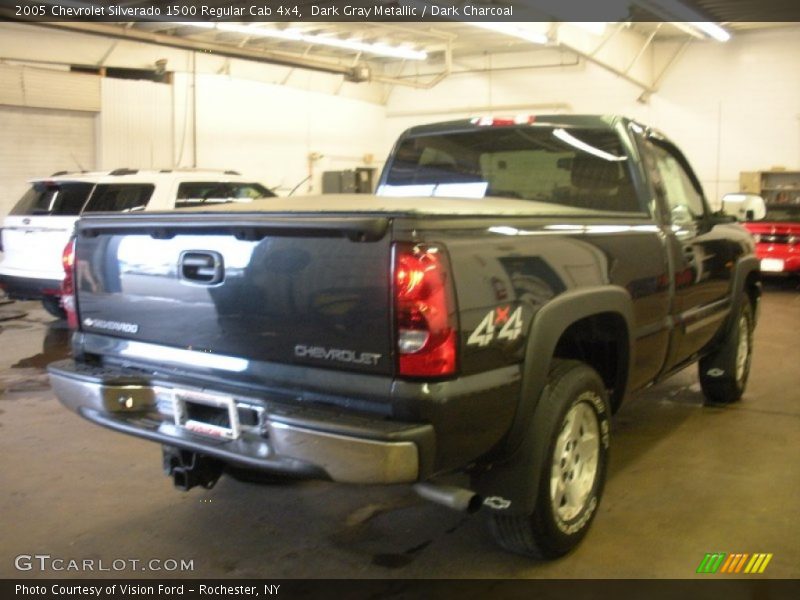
(684,480)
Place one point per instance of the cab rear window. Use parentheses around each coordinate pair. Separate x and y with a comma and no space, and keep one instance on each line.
(51,198)
(581,168)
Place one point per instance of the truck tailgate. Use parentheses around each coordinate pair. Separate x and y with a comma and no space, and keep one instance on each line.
(301,290)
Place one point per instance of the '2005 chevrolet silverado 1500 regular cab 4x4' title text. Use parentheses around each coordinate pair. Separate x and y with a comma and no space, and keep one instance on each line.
(481,317)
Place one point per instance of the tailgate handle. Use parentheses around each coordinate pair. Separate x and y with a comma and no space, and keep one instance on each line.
(201,267)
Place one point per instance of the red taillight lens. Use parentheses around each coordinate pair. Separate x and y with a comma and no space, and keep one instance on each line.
(425,315)
(68,285)
(504,121)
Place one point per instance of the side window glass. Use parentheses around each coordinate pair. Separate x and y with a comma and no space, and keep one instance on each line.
(685,202)
(199,193)
(249,191)
(119,198)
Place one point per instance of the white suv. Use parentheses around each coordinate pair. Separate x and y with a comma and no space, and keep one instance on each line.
(39,226)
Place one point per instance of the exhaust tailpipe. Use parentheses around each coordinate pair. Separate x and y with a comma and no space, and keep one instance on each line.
(452,497)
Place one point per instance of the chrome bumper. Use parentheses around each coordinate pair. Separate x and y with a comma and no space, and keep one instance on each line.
(280,443)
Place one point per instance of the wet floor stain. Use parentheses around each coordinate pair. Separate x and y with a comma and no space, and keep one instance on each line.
(19,325)
(29,385)
(383,532)
(24,381)
(55,347)
(396,561)
(9,314)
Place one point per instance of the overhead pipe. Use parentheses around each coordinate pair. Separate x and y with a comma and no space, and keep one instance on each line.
(136,35)
(266,56)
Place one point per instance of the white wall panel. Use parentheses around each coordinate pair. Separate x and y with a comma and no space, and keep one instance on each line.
(38,142)
(136,128)
(268,131)
(49,88)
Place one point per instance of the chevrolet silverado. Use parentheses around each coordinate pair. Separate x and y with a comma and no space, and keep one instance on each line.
(478,321)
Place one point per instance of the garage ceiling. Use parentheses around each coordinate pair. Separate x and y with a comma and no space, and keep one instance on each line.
(382,52)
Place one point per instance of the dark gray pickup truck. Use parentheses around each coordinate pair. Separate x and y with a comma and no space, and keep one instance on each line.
(478,321)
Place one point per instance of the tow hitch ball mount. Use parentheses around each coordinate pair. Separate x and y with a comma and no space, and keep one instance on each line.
(189,469)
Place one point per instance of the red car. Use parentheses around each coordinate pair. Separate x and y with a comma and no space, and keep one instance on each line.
(777,239)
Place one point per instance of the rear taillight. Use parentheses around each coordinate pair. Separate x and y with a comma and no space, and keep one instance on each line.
(68,285)
(425,313)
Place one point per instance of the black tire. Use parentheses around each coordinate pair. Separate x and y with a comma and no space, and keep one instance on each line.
(52,304)
(724,372)
(551,531)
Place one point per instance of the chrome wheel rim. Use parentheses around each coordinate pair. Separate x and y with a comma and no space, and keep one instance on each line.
(575,460)
(742,349)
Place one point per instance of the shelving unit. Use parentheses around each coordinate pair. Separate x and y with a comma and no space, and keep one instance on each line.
(776,187)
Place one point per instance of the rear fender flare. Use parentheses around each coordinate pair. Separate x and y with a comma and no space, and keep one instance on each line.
(517,478)
(745,266)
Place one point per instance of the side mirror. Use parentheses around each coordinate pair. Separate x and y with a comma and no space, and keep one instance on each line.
(745,207)
(682,216)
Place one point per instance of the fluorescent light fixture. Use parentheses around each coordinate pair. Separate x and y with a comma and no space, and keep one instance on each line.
(712,30)
(517,30)
(688,28)
(570,139)
(294,35)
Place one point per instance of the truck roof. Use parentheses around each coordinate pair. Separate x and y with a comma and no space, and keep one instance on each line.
(368,204)
(587,121)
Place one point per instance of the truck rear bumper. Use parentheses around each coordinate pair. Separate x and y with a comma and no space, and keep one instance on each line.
(305,442)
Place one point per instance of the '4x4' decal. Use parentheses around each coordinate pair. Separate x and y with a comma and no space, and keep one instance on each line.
(511,326)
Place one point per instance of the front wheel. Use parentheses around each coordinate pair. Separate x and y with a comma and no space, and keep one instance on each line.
(724,372)
(572,478)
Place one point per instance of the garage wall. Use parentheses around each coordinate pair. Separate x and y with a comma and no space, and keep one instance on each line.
(37,142)
(135,125)
(47,124)
(731,107)
(264,120)
(268,131)
(735,106)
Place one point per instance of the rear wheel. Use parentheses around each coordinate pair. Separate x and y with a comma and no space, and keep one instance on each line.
(572,478)
(724,373)
(52,304)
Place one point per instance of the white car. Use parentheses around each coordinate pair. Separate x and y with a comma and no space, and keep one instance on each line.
(39,226)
